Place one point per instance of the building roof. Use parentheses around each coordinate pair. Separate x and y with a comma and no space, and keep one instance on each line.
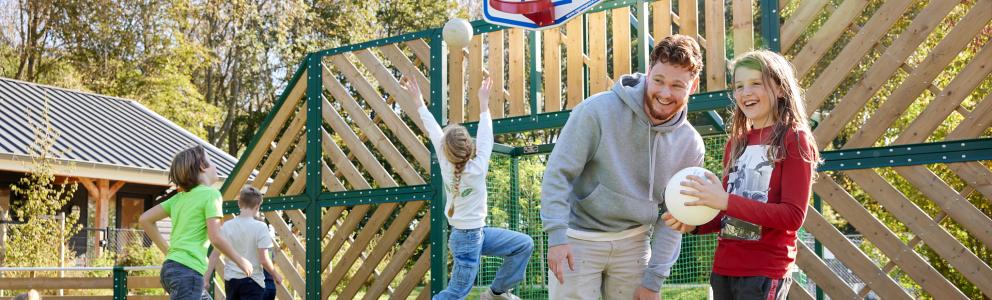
(102,136)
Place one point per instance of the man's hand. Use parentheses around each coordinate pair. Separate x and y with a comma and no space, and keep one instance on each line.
(277,278)
(708,190)
(643,293)
(557,256)
(413,90)
(206,283)
(674,223)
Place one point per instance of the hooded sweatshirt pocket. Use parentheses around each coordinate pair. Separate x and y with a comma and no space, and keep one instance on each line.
(610,207)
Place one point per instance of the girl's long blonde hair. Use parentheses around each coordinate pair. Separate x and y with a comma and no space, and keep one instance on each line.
(788,113)
(459,148)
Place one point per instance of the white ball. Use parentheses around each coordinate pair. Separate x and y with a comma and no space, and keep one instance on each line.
(675,200)
(457,33)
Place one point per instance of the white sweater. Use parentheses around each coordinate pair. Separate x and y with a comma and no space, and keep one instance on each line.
(470,207)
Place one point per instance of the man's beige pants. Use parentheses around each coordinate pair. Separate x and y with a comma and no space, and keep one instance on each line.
(603,270)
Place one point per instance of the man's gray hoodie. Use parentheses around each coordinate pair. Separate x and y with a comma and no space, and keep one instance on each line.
(609,169)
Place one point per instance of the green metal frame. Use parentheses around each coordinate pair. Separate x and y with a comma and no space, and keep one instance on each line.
(439,224)
(314,160)
(120,283)
(907,155)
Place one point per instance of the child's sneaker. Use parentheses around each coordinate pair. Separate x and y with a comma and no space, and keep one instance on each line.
(488,295)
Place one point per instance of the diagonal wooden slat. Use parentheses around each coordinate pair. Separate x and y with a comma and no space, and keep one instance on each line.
(827,35)
(331,182)
(286,235)
(374,135)
(518,72)
(824,277)
(254,156)
(299,221)
(955,205)
(365,236)
(939,57)
(797,292)
(329,218)
(798,22)
(496,72)
(369,230)
(290,272)
(382,109)
(885,240)
(361,152)
(413,278)
(867,38)
(938,239)
(386,243)
(341,161)
(423,51)
(386,80)
(286,174)
(882,69)
(852,257)
(402,62)
(289,138)
(944,103)
(346,229)
(743,26)
(400,258)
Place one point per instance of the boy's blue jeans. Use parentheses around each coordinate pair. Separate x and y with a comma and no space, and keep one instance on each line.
(468,245)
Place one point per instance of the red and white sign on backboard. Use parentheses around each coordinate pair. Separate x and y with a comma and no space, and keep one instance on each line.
(534,14)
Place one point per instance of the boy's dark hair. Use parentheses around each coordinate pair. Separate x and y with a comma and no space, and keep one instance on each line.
(250,197)
(680,50)
(187,166)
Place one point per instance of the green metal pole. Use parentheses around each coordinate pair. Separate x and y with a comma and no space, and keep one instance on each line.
(439,224)
(643,36)
(770,20)
(515,193)
(120,283)
(817,246)
(534,38)
(313,184)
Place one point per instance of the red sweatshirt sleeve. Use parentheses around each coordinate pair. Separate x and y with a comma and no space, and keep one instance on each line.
(795,187)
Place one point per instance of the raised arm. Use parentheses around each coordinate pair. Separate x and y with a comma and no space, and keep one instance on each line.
(434,132)
(484,134)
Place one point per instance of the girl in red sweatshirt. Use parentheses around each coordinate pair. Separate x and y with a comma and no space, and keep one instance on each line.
(769,167)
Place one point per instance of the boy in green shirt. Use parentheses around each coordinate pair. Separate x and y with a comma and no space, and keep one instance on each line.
(196,218)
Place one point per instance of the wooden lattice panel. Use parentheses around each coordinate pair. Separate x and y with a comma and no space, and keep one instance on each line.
(830,43)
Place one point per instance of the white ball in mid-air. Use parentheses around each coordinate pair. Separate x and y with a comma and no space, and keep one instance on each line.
(457,33)
(675,200)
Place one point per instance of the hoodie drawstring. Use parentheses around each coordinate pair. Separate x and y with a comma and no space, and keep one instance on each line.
(652,144)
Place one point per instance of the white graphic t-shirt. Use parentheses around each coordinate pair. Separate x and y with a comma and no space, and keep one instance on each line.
(749,178)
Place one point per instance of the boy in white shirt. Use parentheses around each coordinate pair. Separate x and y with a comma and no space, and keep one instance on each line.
(251,239)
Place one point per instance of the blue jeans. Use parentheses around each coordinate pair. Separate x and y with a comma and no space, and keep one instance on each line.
(468,245)
(181,282)
(270,287)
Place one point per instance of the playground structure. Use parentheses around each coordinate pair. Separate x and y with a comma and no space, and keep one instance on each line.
(354,193)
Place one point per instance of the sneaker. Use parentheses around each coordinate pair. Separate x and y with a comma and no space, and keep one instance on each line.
(488,295)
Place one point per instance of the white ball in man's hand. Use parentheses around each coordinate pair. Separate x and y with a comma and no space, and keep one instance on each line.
(457,33)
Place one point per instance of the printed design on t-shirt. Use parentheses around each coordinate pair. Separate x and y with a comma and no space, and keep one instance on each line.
(750,179)
(464,191)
